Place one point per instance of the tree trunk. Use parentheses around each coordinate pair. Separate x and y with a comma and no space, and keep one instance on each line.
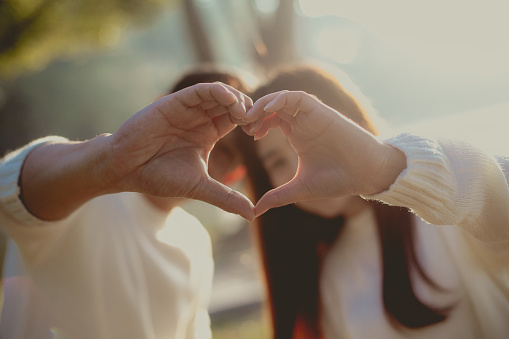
(197,32)
(277,36)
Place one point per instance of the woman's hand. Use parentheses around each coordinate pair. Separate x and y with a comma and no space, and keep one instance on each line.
(336,156)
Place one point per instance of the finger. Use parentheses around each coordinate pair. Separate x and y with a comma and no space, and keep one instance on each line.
(218,110)
(206,105)
(291,103)
(241,98)
(285,103)
(204,92)
(246,129)
(238,110)
(217,99)
(280,196)
(244,103)
(237,92)
(257,111)
(254,127)
(268,123)
(227,199)
(223,113)
(224,124)
(249,102)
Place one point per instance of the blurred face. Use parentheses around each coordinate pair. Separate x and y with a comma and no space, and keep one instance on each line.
(280,161)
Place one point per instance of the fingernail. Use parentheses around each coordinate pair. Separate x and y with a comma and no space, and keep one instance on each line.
(267,108)
(252,129)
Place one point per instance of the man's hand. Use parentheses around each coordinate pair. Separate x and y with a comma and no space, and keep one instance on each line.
(162,150)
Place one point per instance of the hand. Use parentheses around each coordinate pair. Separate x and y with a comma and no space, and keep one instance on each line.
(336,156)
(163,150)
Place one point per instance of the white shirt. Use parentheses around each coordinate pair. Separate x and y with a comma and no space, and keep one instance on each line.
(451,184)
(116,268)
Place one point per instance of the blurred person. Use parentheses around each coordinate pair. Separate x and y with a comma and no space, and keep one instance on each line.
(355,257)
(97,249)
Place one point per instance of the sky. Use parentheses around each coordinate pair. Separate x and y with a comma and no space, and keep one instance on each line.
(470,34)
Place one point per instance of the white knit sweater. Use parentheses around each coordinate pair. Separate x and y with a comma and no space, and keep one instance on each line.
(447,183)
(116,268)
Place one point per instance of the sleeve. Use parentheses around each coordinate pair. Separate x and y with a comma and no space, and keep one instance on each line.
(200,326)
(188,233)
(33,242)
(450,182)
(10,169)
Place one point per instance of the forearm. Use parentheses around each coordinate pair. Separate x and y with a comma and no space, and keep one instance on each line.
(57,178)
(452,183)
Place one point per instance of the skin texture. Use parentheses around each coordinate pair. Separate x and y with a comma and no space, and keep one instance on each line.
(162,150)
(280,161)
(336,157)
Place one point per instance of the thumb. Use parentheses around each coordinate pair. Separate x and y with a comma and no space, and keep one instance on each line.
(283,195)
(229,200)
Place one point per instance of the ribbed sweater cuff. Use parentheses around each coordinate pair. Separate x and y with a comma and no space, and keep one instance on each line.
(10,169)
(426,185)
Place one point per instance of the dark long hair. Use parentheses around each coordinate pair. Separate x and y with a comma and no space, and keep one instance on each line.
(293,242)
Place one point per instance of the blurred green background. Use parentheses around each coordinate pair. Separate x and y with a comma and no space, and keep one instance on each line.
(78,68)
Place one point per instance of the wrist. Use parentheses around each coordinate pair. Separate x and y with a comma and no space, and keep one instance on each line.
(57,178)
(393,163)
(98,161)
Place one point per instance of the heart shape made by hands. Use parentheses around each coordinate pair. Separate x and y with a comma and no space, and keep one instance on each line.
(336,157)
